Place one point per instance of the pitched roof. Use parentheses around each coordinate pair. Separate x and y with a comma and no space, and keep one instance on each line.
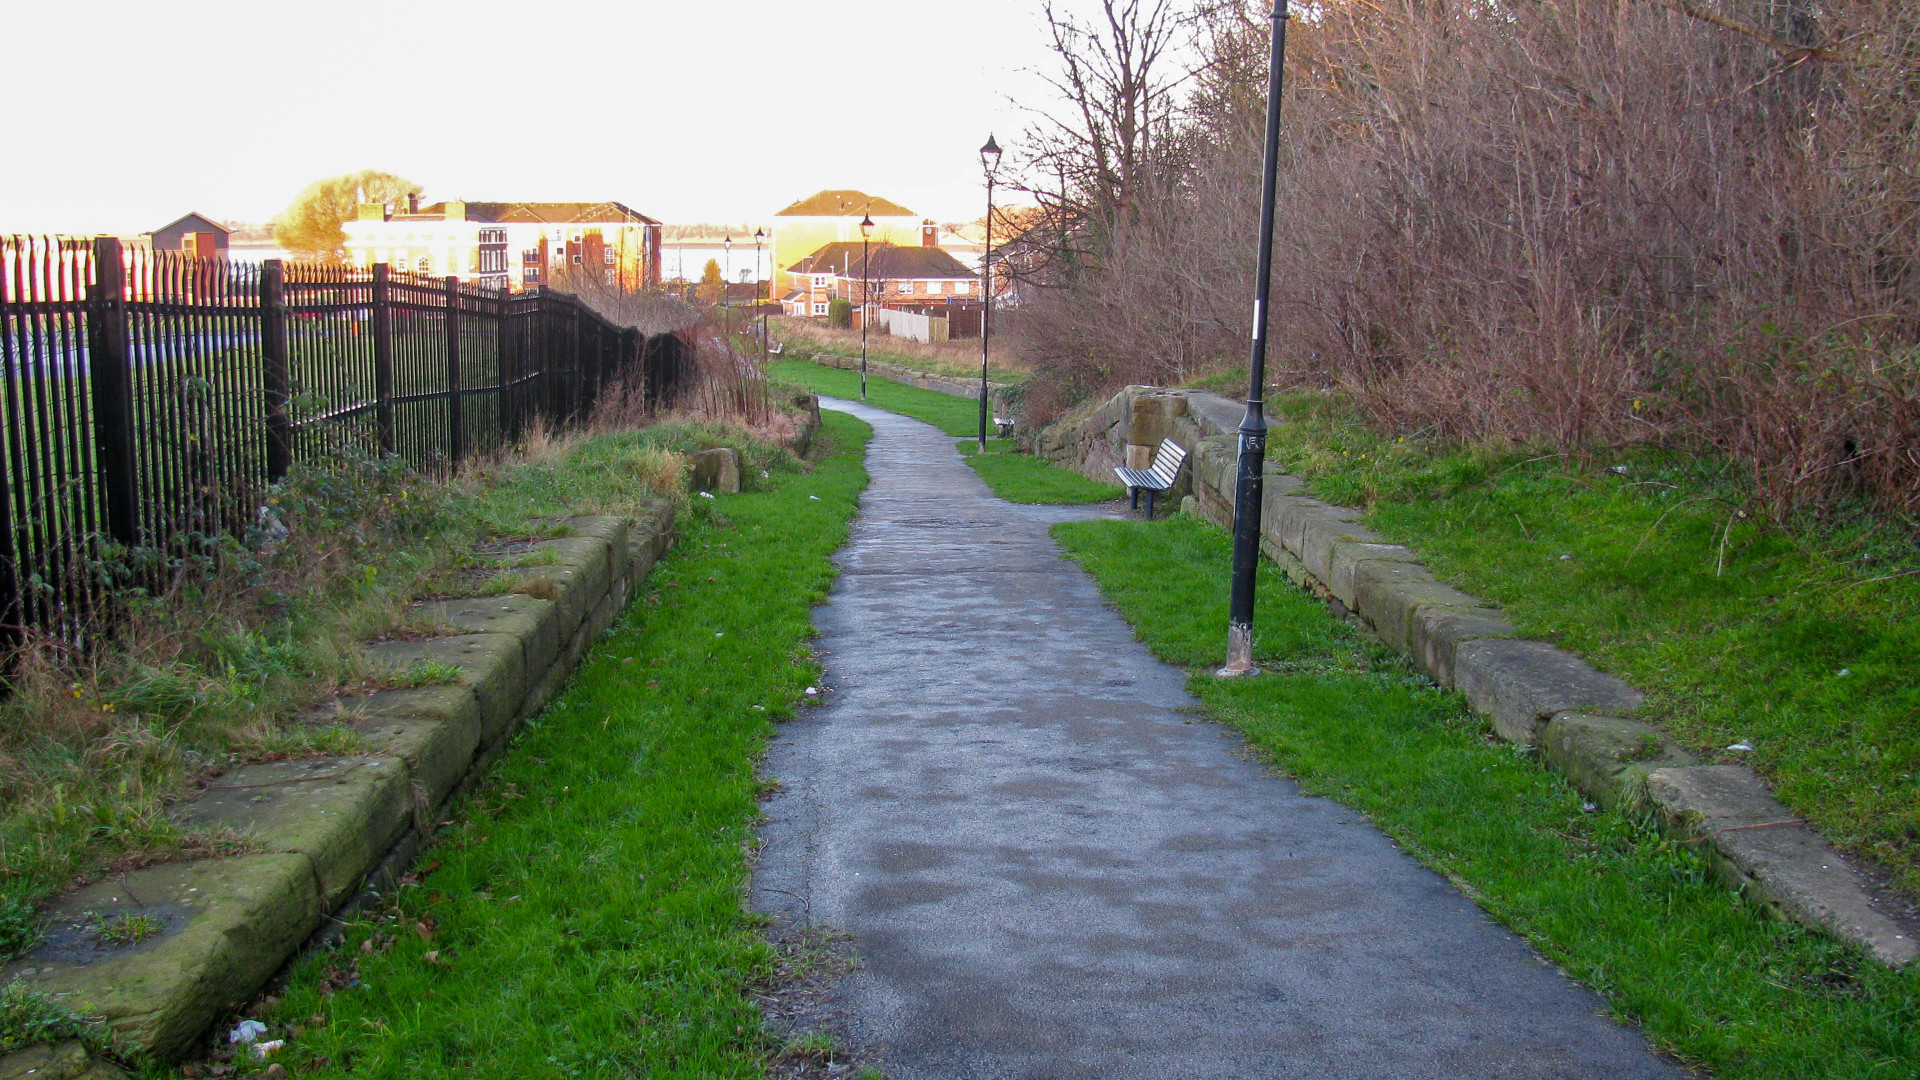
(546,213)
(196,216)
(890,262)
(845,203)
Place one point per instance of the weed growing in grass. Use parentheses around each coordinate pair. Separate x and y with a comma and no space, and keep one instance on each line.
(1602,895)
(1799,642)
(123,930)
(584,917)
(20,927)
(28,1016)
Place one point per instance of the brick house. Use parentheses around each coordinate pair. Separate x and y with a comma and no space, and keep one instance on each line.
(902,278)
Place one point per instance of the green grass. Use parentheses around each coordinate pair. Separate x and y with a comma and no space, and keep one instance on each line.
(1602,895)
(953,415)
(1023,478)
(585,917)
(1017,478)
(1799,640)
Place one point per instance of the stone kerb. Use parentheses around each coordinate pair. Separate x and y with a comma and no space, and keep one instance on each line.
(328,827)
(1577,718)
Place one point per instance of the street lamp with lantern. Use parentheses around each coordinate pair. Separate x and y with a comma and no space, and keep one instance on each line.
(759,236)
(990,164)
(866,234)
(726,246)
(1249,483)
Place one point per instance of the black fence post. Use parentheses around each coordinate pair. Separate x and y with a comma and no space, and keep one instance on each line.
(456,435)
(383,356)
(506,369)
(274,368)
(110,371)
(575,365)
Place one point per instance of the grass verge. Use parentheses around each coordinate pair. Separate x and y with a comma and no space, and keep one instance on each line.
(959,359)
(1657,566)
(1023,478)
(953,415)
(585,918)
(1015,477)
(95,746)
(1602,895)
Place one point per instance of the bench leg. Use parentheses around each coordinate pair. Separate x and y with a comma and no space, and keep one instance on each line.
(1149,504)
(1133,498)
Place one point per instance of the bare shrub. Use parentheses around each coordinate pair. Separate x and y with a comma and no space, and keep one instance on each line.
(1578,226)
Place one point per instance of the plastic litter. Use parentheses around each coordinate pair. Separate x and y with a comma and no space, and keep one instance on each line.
(1741,747)
(813,691)
(246,1031)
(261,1050)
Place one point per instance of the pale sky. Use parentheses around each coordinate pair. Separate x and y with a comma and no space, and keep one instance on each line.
(128,114)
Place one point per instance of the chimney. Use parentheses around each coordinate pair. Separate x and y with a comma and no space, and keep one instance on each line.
(371,211)
(929,234)
(413,202)
(456,210)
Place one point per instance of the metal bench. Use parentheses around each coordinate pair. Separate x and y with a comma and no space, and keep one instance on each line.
(1005,424)
(777,348)
(1160,477)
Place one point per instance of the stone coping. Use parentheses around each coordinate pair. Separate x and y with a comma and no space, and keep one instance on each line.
(331,828)
(1578,719)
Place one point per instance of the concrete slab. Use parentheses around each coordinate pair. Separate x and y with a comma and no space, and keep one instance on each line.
(226,925)
(1049,869)
(1759,847)
(1519,684)
(342,813)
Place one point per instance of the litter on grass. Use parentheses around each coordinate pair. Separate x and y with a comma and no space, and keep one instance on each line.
(246,1031)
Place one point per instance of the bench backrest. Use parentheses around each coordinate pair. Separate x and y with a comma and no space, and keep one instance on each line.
(1167,461)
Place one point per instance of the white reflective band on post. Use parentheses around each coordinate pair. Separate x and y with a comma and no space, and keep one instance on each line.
(1256,320)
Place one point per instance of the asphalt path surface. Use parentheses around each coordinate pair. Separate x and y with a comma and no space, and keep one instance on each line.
(1050,868)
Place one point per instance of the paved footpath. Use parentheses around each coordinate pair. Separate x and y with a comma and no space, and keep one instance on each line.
(1050,870)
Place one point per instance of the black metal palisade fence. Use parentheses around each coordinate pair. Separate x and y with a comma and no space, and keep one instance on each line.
(149,397)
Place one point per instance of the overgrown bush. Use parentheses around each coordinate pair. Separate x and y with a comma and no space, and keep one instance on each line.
(1570,225)
(840,314)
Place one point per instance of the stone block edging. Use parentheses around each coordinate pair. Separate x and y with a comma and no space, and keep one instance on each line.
(1578,719)
(331,828)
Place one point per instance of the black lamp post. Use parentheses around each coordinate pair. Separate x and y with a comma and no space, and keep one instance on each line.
(726,246)
(866,233)
(1253,427)
(990,164)
(759,235)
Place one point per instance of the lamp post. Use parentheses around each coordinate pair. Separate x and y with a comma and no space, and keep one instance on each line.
(1253,427)
(726,246)
(990,164)
(759,235)
(866,234)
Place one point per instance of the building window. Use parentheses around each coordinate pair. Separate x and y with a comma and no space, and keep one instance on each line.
(531,256)
(423,265)
(609,275)
(819,309)
(606,254)
(963,287)
(531,275)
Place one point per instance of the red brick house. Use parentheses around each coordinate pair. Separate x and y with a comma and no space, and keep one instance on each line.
(903,278)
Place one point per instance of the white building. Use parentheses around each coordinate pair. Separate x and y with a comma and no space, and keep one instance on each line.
(510,245)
